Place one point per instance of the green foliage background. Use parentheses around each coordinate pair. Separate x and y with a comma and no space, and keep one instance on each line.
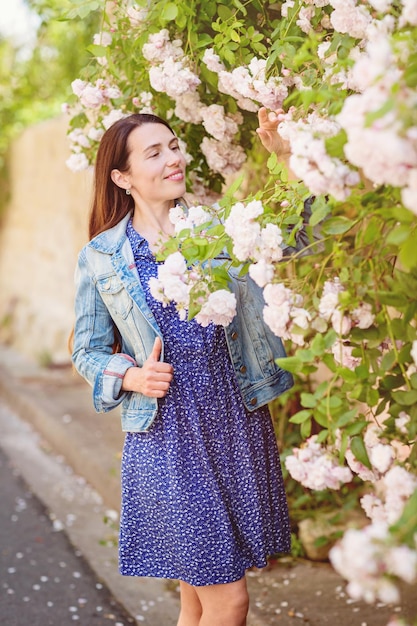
(369,241)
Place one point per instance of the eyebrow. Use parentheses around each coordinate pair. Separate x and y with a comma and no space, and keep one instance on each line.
(158,145)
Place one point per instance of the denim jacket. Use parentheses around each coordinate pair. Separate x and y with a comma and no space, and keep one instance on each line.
(108,289)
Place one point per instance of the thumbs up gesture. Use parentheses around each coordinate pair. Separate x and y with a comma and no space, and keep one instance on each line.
(153,378)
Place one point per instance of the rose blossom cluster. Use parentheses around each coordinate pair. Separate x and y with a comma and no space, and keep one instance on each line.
(284,314)
(177,283)
(103,39)
(263,247)
(350,16)
(190,218)
(97,98)
(137,15)
(248,85)
(94,96)
(381,455)
(174,284)
(170,73)
(391,493)
(321,173)
(342,321)
(372,562)
(386,147)
(306,467)
(317,467)
(250,240)
(371,559)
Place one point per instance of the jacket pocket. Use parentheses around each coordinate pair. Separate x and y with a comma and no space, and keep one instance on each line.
(114,295)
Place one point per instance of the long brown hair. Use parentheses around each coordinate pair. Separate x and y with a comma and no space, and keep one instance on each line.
(110,203)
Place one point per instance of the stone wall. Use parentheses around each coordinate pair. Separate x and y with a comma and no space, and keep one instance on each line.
(43,227)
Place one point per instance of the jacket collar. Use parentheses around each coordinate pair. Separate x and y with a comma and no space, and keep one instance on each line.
(111,240)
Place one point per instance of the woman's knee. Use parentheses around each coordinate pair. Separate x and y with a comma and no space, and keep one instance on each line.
(238,599)
(224,604)
(191,609)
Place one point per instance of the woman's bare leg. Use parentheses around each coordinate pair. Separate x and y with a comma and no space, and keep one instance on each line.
(191,609)
(224,605)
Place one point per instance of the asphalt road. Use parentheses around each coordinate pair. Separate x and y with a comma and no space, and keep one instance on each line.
(44,580)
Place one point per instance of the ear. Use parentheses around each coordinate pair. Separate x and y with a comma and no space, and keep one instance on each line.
(120,179)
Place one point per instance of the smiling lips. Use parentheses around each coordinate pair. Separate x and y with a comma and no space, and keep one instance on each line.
(176,176)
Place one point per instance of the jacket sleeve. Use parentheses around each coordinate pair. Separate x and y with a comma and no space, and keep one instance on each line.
(92,354)
(305,236)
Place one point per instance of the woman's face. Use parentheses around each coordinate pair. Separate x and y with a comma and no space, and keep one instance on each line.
(156,165)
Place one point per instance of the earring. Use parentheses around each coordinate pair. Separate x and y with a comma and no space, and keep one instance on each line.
(128,192)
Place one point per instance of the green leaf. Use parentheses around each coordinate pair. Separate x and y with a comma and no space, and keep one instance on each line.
(272,161)
(300,417)
(224,12)
(318,345)
(290,363)
(234,187)
(405,398)
(321,419)
(83,11)
(346,418)
(405,527)
(334,145)
(337,225)
(356,428)
(408,250)
(204,40)
(229,56)
(388,360)
(359,450)
(370,118)
(308,400)
(392,299)
(169,12)
(305,429)
(398,235)
(347,374)
(240,6)
(320,209)
(372,397)
(322,436)
(371,232)
(329,338)
(305,355)
(97,51)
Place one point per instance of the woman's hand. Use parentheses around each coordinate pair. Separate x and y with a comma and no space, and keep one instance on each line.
(272,140)
(268,134)
(153,378)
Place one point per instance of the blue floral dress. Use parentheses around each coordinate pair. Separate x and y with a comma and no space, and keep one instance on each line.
(202,490)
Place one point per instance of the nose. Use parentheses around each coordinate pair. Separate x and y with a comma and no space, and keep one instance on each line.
(174,157)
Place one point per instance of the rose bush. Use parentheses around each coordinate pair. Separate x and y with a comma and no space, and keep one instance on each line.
(345,73)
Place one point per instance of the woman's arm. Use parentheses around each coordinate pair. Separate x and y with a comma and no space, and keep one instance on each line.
(93,340)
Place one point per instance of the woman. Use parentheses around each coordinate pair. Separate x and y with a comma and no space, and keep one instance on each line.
(202,491)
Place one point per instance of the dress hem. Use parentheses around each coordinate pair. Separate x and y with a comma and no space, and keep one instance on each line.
(197,582)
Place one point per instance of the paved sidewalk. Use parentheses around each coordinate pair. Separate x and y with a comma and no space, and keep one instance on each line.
(70,456)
